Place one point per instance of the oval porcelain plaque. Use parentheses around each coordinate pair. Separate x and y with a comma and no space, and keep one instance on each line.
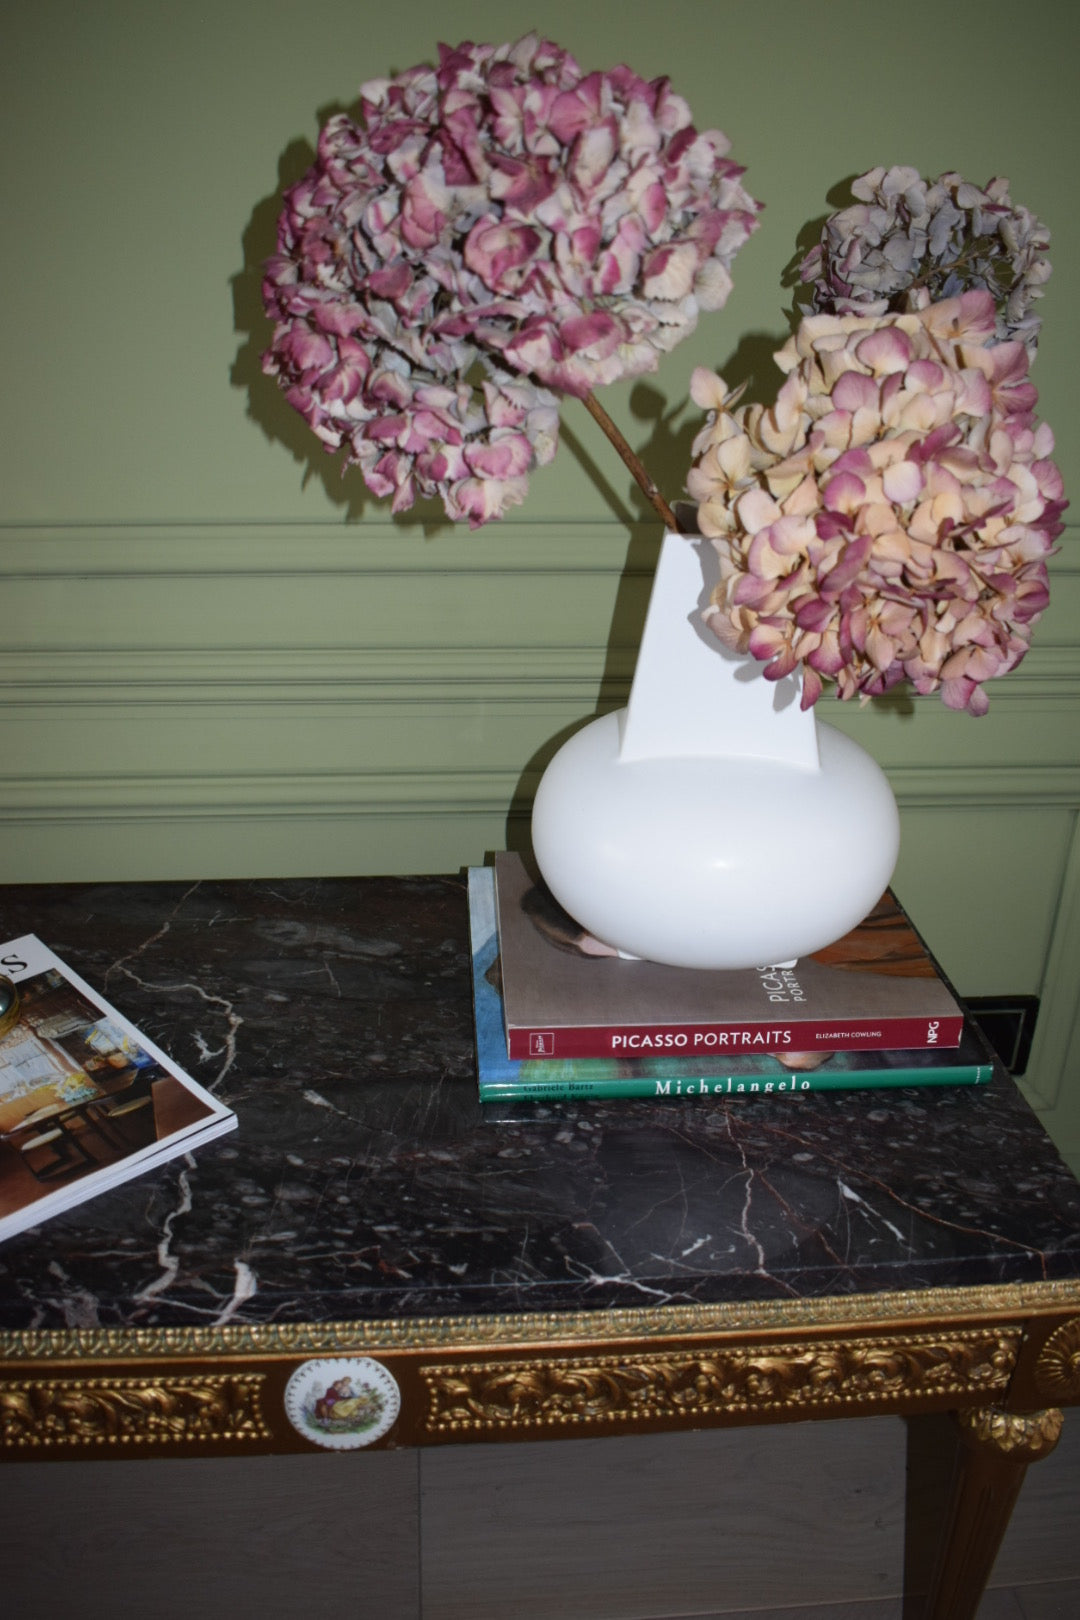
(342,1402)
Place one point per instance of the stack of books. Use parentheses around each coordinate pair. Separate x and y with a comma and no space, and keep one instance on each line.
(559,1015)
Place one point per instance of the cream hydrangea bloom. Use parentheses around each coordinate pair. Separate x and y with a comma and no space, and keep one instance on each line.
(890,515)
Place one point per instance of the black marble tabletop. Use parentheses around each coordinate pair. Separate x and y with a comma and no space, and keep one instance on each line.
(366,1182)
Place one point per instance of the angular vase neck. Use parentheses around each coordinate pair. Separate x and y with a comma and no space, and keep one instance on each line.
(693,698)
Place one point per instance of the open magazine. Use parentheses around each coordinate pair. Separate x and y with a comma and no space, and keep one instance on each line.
(86,1100)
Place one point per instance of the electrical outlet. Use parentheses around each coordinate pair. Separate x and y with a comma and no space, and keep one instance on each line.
(1008,1022)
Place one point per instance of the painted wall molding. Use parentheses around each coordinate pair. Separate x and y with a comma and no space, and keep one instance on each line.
(259,670)
(266,547)
(316,794)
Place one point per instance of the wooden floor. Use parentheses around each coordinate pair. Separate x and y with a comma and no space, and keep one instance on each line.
(803,1522)
(1052,1601)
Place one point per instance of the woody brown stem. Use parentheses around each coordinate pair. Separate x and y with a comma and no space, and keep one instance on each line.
(641,477)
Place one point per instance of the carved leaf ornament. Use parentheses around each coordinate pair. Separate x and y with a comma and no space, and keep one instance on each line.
(131,1411)
(530,1394)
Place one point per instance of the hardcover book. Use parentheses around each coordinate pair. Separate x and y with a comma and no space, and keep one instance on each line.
(503,1078)
(567,995)
(86,1100)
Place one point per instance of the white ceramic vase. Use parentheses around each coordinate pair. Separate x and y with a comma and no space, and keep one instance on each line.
(712,823)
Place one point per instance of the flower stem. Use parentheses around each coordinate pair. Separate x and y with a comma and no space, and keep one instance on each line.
(641,477)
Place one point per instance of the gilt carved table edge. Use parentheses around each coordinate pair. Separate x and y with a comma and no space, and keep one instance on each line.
(110,1392)
(507,1330)
(148,1413)
(722,1379)
(889,1310)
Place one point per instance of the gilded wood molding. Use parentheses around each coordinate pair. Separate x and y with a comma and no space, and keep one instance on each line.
(1022,1436)
(768,1379)
(1057,1371)
(53,1413)
(887,1311)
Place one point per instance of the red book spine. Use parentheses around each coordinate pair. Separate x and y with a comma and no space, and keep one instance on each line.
(716,1040)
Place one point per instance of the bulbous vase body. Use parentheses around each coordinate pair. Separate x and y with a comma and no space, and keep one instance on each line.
(712,823)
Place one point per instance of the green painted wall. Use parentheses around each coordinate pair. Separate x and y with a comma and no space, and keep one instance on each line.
(217,657)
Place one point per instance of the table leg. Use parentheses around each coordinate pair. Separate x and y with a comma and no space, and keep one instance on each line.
(995,1450)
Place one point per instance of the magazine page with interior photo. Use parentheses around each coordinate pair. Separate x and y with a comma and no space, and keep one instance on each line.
(86,1100)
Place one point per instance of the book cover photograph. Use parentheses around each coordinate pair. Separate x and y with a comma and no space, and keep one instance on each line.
(503,1078)
(567,995)
(86,1100)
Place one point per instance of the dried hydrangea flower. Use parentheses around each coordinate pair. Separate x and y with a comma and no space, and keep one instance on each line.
(890,516)
(907,241)
(499,229)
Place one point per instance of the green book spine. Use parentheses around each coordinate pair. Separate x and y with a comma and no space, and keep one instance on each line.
(736,1085)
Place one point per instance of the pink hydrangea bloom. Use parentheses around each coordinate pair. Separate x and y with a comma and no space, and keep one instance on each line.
(500,229)
(890,516)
